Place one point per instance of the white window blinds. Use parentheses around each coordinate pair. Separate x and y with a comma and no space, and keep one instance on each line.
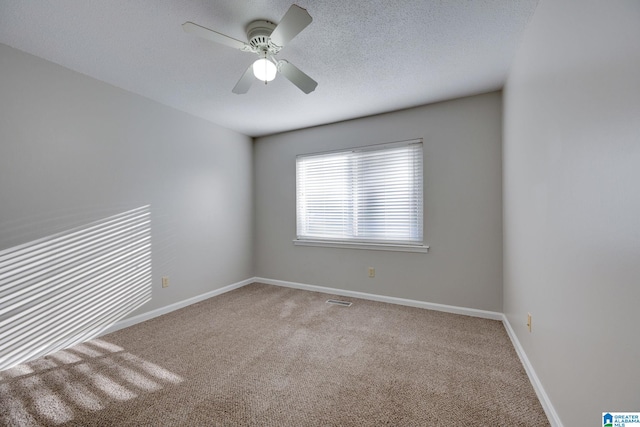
(370,195)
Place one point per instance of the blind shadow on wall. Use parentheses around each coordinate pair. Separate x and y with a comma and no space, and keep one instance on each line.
(68,287)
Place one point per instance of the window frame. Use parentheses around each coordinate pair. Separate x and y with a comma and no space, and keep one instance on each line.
(355,243)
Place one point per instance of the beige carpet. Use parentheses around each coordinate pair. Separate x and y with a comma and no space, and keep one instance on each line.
(270,356)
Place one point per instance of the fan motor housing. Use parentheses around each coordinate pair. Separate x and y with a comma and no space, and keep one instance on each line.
(258,33)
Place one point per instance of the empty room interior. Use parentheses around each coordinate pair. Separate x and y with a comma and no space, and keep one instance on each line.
(409,213)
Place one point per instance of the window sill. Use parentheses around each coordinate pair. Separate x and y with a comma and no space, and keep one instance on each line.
(360,245)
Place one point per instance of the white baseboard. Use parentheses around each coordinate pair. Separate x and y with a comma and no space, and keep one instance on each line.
(172,307)
(381,298)
(552,415)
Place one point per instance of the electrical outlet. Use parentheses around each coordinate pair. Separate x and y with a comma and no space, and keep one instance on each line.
(165,282)
(372,272)
(529,321)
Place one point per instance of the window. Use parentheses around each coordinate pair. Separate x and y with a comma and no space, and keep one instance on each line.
(369,197)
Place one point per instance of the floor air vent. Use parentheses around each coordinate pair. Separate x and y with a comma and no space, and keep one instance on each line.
(338,302)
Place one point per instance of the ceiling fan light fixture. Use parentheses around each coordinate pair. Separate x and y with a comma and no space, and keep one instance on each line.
(264,70)
(265,40)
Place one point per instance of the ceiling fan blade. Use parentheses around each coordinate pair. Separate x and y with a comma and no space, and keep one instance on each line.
(245,81)
(213,36)
(295,20)
(297,77)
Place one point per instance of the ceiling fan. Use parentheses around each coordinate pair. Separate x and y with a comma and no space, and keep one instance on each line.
(266,39)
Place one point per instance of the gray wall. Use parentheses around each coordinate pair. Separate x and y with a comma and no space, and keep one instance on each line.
(463,207)
(74,150)
(572,204)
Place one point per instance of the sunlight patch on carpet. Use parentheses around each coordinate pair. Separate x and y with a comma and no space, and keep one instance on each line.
(88,377)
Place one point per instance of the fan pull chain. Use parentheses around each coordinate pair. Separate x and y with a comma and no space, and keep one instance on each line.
(265,67)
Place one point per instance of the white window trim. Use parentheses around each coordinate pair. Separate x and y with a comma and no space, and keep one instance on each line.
(362,245)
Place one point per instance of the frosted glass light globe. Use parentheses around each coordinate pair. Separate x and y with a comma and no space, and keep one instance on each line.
(264,70)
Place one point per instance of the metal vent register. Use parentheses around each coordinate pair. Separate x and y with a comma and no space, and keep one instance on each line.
(338,302)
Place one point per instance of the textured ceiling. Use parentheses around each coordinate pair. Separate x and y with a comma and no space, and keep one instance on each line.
(368,56)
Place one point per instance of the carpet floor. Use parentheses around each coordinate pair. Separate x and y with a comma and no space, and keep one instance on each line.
(270,356)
